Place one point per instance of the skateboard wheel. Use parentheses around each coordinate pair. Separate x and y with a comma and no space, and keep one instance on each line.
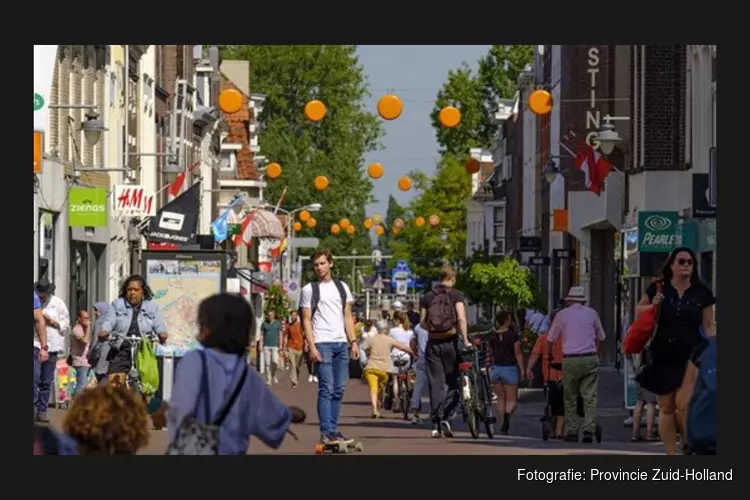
(343,449)
(319,448)
(359,447)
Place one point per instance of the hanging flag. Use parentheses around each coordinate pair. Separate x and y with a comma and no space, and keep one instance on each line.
(279,249)
(219,227)
(177,221)
(246,231)
(594,167)
(174,189)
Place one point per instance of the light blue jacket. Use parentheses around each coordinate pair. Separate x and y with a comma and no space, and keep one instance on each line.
(119,316)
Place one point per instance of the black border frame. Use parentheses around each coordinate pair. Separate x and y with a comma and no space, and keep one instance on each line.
(391,475)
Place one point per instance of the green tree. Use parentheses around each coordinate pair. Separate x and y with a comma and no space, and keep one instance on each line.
(276,301)
(499,71)
(444,195)
(290,76)
(462,90)
(394,211)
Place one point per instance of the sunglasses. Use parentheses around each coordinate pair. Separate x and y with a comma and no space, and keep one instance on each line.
(685,262)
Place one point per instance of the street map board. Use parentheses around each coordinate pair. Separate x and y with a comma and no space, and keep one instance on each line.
(179,281)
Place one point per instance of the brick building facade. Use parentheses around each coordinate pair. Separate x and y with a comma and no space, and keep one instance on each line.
(239,133)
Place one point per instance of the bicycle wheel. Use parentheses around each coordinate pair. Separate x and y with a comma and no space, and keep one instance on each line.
(488,417)
(472,419)
(404,394)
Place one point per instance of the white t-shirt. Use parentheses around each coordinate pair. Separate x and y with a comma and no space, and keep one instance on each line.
(328,321)
(402,337)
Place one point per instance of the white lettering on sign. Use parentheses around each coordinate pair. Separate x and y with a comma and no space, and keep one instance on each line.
(133,201)
(593,115)
(666,240)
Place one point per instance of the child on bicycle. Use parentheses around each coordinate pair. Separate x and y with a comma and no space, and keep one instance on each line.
(401,332)
(379,363)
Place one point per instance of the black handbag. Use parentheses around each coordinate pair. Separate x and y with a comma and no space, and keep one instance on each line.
(646,356)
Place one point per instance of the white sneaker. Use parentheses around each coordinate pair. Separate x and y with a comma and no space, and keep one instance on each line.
(275,380)
(315,379)
(310,378)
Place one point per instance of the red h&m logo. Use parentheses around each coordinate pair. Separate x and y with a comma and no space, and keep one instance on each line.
(134,201)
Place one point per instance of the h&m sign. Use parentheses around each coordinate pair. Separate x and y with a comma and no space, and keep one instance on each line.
(133,201)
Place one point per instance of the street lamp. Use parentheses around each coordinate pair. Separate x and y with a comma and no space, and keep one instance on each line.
(608,138)
(550,171)
(93,128)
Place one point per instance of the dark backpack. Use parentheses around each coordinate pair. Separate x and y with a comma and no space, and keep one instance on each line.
(701,425)
(316,297)
(441,313)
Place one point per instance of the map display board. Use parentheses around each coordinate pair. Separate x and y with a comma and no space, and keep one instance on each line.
(179,282)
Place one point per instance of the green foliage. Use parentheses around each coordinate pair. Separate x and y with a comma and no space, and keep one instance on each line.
(394,211)
(476,95)
(505,284)
(277,301)
(290,76)
(443,195)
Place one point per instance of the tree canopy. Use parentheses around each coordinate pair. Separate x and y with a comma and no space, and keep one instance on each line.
(290,76)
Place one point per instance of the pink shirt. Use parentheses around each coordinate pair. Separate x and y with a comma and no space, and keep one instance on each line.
(580,329)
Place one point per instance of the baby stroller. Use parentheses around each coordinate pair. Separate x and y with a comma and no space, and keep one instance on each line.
(554,407)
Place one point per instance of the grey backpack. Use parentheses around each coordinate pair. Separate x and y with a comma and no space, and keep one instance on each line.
(202,438)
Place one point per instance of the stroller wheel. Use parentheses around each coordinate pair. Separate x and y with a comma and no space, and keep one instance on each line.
(545,430)
(598,433)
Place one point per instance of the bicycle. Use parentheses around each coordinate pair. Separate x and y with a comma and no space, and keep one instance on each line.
(404,387)
(476,389)
(133,377)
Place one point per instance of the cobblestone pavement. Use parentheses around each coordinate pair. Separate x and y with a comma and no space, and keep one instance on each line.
(392,435)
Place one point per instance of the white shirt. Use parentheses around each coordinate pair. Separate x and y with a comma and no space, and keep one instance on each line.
(56,309)
(402,337)
(328,320)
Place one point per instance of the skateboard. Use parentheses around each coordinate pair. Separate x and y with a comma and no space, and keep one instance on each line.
(338,447)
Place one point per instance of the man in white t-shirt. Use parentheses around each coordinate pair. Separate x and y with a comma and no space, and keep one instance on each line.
(329,329)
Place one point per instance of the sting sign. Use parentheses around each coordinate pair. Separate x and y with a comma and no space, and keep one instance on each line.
(133,201)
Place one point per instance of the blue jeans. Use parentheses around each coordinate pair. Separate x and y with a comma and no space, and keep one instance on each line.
(82,377)
(333,373)
(44,378)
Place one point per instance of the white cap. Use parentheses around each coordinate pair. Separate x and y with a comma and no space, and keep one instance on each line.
(397,304)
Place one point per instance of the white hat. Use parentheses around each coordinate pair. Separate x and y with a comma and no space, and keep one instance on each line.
(576,294)
(397,304)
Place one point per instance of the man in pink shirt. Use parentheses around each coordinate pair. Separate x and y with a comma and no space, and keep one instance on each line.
(581,332)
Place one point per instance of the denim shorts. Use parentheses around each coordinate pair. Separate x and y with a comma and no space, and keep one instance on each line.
(504,375)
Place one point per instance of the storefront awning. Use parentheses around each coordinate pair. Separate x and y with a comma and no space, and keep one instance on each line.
(266,225)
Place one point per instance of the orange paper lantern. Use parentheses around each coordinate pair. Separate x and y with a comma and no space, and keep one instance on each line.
(273,170)
(449,117)
(379,230)
(395,231)
(351,229)
(398,223)
(321,182)
(375,170)
(344,223)
(390,107)
(540,102)
(473,166)
(297,227)
(315,111)
(304,215)
(335,229)
(377,219)
(419,221)
(230,101)
(404,184)
(368,223)
(311,222)
(434,220)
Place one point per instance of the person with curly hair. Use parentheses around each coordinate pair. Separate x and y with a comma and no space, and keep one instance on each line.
(107,420)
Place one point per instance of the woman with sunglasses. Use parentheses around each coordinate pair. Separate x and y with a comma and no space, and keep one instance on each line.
(686,306)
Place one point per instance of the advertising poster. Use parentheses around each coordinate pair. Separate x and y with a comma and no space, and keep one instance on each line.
(179,282)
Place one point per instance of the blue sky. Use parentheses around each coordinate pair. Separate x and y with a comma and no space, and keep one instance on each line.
(414,73)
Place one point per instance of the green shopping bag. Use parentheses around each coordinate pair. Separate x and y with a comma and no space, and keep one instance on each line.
(148,368)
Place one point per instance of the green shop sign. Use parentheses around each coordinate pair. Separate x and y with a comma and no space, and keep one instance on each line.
(659,231)
(87,207)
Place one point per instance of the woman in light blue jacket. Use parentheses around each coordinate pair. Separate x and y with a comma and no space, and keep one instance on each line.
(134,313)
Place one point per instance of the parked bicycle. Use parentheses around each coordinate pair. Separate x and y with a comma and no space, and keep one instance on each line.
(476,389)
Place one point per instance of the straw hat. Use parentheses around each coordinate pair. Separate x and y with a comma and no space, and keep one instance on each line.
(576,294)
